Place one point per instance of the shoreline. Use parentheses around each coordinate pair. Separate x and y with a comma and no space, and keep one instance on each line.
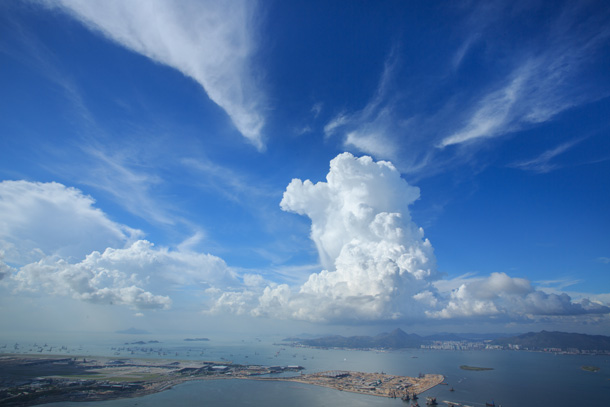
(351,383)
(42,379)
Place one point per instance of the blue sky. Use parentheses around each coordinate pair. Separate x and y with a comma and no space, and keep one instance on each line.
(156,155)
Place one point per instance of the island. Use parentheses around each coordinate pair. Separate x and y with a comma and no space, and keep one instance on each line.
(29,380)
(591,368)
(141,342)
(475,368)
(397,339)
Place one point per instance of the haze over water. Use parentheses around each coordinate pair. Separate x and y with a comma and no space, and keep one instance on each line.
(518,378)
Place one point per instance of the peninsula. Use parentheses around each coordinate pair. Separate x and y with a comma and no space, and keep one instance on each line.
(30,380)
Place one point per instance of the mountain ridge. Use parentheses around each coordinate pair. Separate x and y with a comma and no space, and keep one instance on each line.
(399,339)
(396,339)
(556,339)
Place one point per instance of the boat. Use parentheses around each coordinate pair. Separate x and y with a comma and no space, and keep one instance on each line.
(492,404)
(452,389)
(431,401)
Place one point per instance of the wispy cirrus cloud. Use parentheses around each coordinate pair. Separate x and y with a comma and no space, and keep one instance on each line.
(371,129)
(476,98)
(209,41)
(542,163)
(543,82)
(128,181)
(231,184)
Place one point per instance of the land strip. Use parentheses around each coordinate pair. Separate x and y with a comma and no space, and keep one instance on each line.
(375,384)
(31,380)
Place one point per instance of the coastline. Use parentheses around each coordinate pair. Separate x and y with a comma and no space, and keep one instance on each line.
(38,379)
(390,386)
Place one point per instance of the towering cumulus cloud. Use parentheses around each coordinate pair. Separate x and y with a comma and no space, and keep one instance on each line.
(377,263)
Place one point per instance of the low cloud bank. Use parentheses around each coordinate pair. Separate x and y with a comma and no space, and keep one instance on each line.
(5,270)
(378,264)
(49,219)
(502,296)
(60,244)
(104,278)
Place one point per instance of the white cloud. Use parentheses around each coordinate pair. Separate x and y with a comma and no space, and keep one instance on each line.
(494,113)
(316,109)
(379,266)
(331,127)
(542,163)
(462,51)
(368,130)
(209,41)
(109,278)
(541,85)
(232,185)
(38,219)
(346,207)
(5,269)
(501,296)
(378,263)
(63,245)
(120,174)
(117,276)
(413,119)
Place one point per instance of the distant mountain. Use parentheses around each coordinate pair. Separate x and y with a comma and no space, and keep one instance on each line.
(302,336)
(396,339)
(133,331)
(562,340)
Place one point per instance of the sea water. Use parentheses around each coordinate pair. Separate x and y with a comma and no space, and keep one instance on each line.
(518,378)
